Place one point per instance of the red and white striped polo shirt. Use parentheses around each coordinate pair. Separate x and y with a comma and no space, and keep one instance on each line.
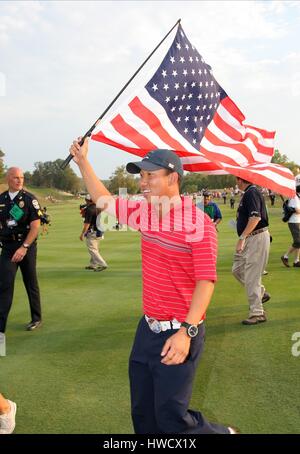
(177,251)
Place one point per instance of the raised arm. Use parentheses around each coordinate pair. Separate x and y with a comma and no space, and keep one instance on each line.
(94,186)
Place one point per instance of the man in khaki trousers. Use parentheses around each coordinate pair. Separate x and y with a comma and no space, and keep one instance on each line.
(93,236)
(252,249)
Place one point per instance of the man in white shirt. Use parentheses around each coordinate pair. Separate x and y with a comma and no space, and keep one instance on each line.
(294,226)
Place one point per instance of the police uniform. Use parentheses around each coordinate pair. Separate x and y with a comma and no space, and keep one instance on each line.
(250,263)
(15,218)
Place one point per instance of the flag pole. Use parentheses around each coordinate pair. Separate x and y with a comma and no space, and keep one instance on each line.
(89,132)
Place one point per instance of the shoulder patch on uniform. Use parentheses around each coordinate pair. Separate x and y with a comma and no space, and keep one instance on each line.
(36,205)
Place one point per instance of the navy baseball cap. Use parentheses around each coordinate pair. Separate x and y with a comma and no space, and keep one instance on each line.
(156,160)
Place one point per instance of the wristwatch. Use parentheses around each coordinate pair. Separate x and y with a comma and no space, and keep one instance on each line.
(191,330)
(26,245)
(242,237)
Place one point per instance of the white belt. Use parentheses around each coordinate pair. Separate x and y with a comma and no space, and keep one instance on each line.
(163,325)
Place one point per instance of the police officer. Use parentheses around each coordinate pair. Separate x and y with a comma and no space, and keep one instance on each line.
(19,225)
(252,249)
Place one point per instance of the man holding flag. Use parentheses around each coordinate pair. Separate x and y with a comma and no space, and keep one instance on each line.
(179,270)
(184,109)
(181,109)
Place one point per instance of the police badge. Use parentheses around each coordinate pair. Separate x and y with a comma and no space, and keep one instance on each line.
(36,205)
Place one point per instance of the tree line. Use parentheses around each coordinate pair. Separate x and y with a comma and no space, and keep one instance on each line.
(48,174)
(2,170)
(190,183)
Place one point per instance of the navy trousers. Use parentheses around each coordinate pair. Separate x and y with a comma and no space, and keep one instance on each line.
(160,394)
(8,271)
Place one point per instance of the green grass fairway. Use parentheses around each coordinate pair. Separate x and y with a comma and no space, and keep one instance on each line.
(70,376)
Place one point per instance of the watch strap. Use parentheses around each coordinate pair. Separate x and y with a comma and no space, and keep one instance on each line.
(190,328)
(185,324)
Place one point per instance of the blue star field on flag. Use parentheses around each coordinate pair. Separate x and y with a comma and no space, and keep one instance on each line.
(186,88)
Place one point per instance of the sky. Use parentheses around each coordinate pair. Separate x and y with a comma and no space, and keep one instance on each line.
(62,63)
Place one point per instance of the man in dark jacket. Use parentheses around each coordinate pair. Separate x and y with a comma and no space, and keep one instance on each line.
(252,249)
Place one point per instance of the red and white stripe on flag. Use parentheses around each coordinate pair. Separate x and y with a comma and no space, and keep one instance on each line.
(228,146)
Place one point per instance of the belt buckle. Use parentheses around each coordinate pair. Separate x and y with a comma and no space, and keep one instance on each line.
(165,325)
(154,325)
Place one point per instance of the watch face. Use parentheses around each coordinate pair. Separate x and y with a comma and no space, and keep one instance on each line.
(192,330)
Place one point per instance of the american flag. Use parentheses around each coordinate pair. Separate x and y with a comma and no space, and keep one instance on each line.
(184,109)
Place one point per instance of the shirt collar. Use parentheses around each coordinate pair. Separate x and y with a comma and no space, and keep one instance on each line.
(12,195)
(249,186)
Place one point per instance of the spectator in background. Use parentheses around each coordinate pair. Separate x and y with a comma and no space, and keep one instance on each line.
(272,197)
(211,208)
(252,249)
(224,195)
(232,201)
(92,235)
(294,226)
(45,221)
